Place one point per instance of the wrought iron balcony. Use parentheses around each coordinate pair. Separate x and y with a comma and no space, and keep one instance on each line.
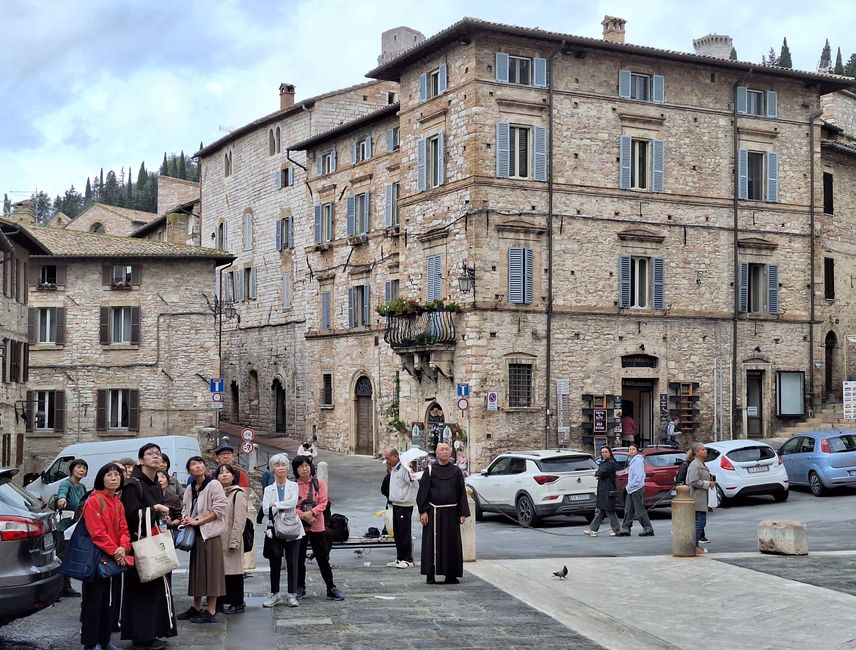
(423,330)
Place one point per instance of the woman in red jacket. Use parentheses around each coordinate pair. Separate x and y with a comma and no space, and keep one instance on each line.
(104,518)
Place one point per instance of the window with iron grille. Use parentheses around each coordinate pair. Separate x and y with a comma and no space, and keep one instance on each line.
(327,389)
(519,384)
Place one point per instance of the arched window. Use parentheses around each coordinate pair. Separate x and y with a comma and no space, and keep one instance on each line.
(97,228)
(227,164)
(271,143)
(278,140)
(221,236)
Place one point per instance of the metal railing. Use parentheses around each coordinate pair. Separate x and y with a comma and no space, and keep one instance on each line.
(425,329)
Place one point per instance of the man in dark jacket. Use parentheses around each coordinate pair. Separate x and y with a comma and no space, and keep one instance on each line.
(606,493)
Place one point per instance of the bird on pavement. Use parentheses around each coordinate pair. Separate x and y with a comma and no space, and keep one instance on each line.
(561,575)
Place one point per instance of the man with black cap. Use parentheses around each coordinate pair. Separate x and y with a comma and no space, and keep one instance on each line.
(225,455)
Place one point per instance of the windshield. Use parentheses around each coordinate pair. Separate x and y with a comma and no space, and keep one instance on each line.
(751,454)
(12,495)
(664,460)
(567,464)
(842,443)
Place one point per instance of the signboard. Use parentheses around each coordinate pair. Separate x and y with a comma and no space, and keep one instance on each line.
(600,421)
(850,400)
(492,400)
(217,406)
(247,447)
(216,397)
(248,434)
(599,443)
(752,411)
(563,412)
(463,403)
(217,385)
(463,390)
(418,439)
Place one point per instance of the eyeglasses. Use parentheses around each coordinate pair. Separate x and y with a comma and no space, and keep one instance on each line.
(152,452)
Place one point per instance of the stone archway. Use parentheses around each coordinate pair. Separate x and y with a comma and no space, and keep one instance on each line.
(279,406)
(364,416)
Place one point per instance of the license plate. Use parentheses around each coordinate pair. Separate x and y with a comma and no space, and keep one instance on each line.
(579,497)
(758,468)
(49,542)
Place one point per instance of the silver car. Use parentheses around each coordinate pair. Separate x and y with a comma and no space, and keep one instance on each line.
(29,568)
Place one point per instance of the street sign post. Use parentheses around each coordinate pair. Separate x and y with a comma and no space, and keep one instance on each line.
(247,447)
(217,385)
(463,404)
(492,401)
(217,406)
(216,397)
(247,435)
(463,390)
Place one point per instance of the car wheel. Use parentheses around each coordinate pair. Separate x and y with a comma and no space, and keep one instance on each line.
(781,496)
(816,485)
(526,511)
(479,513)
(724,502)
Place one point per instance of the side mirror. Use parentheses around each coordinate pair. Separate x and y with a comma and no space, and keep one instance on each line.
(483,472)
(45,478)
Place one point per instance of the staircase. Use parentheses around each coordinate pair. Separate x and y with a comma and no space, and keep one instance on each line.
(830,416)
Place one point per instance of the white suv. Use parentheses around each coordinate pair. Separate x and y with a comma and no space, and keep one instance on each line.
(536,484)
(744,467)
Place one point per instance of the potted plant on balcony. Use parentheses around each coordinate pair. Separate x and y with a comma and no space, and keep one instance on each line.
(357,240)
(322,246)
(46,286)
(392,231)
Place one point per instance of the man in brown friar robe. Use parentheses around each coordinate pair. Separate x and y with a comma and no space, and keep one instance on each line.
(442,504)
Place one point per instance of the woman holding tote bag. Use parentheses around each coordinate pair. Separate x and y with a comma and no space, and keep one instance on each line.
(280,498)
(233,538)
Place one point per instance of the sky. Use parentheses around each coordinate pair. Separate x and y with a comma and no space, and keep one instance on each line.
(110,84)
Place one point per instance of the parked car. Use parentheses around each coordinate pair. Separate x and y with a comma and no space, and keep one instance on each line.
(535,484)
(661,467)
(29,568)
(822,460)
(746,467)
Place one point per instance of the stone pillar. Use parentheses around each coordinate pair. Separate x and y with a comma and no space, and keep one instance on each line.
(468,530)
(683,523)
(322,471)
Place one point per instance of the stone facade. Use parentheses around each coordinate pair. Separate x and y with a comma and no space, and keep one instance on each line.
(109,219)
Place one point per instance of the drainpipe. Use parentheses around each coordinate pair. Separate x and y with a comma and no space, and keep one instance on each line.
(811,118)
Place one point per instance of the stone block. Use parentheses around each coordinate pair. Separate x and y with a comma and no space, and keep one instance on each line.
(783,537)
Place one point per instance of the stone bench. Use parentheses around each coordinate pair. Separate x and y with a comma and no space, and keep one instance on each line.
(783,537)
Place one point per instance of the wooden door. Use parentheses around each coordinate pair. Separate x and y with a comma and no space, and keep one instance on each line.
(364,417)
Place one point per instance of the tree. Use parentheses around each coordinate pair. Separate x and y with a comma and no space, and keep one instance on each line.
(129,199)
(771,58)
(732,56)
(72,203)
(850,68)
(839,66)
(164,168)
(7,206)
(825,63)
(42,206)
(785,55)
(182,165)
(87,194)
(111,189)
(101,182)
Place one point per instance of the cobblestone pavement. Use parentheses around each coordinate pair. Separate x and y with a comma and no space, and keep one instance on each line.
(836,571)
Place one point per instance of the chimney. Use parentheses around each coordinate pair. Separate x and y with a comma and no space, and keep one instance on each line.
(395,41)
(24,212)
(716,45)
(613,29)
(286,96)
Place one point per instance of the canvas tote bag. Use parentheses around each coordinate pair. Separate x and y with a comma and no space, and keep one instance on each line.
(154,554)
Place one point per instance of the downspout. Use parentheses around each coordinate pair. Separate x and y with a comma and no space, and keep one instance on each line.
(811,118)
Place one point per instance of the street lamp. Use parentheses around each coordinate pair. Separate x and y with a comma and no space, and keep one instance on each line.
(467,279)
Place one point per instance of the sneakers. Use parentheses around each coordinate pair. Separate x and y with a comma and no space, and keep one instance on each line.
(272,600)
(646,533)
(623,533)
(613,533)
(300,593)
(393,564)
(189,613)
(291,600)
(402,564)
(234,609)
(204,617)
(704,540)
(590,532)
(334,593)
(700,551)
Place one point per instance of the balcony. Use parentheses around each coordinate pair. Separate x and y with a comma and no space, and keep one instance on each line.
(420,330)
(423,335)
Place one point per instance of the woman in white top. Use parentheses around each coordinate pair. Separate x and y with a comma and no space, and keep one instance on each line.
(281,495)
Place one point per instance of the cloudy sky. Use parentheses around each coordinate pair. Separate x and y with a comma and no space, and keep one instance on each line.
(109,84)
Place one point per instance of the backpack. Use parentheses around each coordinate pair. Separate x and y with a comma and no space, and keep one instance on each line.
(339,528)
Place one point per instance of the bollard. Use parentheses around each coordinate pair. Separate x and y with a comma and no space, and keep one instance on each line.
(468,530)
(322,471)
(683,523)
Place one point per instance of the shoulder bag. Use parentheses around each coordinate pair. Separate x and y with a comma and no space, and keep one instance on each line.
(185,536)
(248,537)
(286,525)
(155,553)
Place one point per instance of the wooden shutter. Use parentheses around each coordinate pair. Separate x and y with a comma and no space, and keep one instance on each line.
(433,281)
(624,84)
(351,321)
(319,164)
(772,103)
(290,176)
(101,410)
(625,143)
(106,274)
(390,140)
(772,177)
(60,326)
(24,362)
(31,396)
(135,325)
(501,67)
(239,285)
(420,165)
(277,179)
(133,410)
(528,269)
(624,288)
(325,310)
(658,265)
(364,217)
(743,288)
(368,147)
(252,282)
(104,326)
(540,142)
(286,290)
(353,153)
(515,275)
(278,234)
(742,100)
(4,361)
(352,227)
(35,271)
(442,79)
(333,158)
(503,149)
(136,274)
(441,158)
(317,209)
(59,411)
(742,173)
(60,274)
(32,322)
(367,305)
(658,89)
(658,157)
(539,72)
(289,233)
(423,87)
(773,289)
(329,218)
(387,214)
(387,291)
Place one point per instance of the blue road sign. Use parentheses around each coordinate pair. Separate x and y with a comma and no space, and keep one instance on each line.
(217,385)
(463,390)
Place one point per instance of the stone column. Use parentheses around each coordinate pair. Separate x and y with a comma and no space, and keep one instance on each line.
(683,523)
(468,530)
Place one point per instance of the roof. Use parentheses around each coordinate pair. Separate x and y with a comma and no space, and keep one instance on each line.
(273,117)
(157,223)
(333,133)
(74,243)
(391,70)
(728,445)
(547,453)
(12,231)
(125,213)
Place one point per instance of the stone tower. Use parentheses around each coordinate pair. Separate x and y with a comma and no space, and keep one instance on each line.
(395,41)
(716,45)
(613,29)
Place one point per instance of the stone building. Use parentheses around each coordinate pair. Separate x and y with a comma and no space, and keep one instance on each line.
(179,220)
(108,219)
(122,339)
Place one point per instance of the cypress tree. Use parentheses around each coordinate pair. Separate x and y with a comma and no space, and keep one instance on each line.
(173,167)
(732,56)
(839,66)
(164,168)
(785,55)
(182,163)
(87,194)
(825,63)
(850,68)
(129,201)
(101,184)
(142,188)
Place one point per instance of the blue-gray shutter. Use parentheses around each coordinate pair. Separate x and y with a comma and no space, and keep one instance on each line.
(658,89)
(624,155)
(624,262)
(387,291)
(527,276)
(515,275)
(289,233)
(658,176)
(364,217)
(742,100)
(659,283)
(325,310)
(501,67)
(772,177)
(390,140)
(441,158)
(503,153)
(279,234)
(317,223)
(773,289)
(423,87)
(353,153)
(239,285)
(333,155)
(433,286)
(286,290)
(387,219)
(539,172)
(367,304)
(369,148)
(772,103)
(624,84)
(539,72)
(420,165)
(743,288)
(330,234)
(277,180)
(319,164)
(351,216)
(442,79)
(351,321)
(290,176)
(742,173)
(252,283)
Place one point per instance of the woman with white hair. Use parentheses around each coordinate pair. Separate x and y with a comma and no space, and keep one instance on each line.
(281,496)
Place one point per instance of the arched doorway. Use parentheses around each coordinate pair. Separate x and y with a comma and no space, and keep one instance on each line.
(829,392)
(278,405)
(234,402)
(435,421)
(364,416)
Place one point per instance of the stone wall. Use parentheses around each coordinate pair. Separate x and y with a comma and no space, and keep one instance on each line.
(173,192)
(115,221)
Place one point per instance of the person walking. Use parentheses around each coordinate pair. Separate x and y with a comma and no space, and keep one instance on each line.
(443,507)
(204,508)
(281,496)
(634,502)
(681,479)
(70,494)
(402,495)
(147,608)
(104,518)
(233,539)
(700,481)
(606,492)
(628,429)
(311,503)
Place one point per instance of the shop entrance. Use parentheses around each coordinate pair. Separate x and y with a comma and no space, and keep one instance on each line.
(637,401)
(754,403)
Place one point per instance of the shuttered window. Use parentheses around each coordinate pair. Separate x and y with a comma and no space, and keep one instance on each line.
(433,83)
(326,309)
(641,164)
(758,175)
(248,232)
(325,162)
(361,150)
(250,275)
(284,177)
(284,233)
(358,207)
(433,280)
(641,282)
(521,70)
(520,273)
(391,213)
(359,306)
(323,229)
(761,103)
(46,325)
(758,287)
(390,291)
(642,87)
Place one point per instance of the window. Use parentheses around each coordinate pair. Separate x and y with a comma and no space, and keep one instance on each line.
(520,272)
(285,233)
(433,278)
(239,285)
(230,286)
(44,413)
(221,236)
(359,306)
(758,175)
(274,141)
(390,290)
(763,103)
(520,150)
(47,324)
(391,98)
(519,385)
(642,164)
(755,176)
(287,290)
(324,222)
(284,177)
(641,282)
(120,325)
(391,214)
(754,102)
(358,214)
(48,275)
(393,141)
(227,163)
(122,275)
(521,70)
(639,164)
(759,288)
(326,308)
(248,231)
(250,282)
(433,83)
(327,389)
(97,228)
(325,162)
(361,150)
(828,205)
(642,87)
(434,161)
(15,363)
(118,416)
(829,278)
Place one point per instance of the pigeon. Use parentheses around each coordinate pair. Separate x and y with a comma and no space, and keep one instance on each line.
(358,552)
(561,575)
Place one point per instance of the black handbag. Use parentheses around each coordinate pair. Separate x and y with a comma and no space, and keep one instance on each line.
(249,535)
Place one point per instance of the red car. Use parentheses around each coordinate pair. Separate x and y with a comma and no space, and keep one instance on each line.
(661,466)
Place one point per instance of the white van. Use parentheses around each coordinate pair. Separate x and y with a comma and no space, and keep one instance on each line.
(98,454)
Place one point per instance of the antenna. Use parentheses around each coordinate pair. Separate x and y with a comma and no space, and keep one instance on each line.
(226,129)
